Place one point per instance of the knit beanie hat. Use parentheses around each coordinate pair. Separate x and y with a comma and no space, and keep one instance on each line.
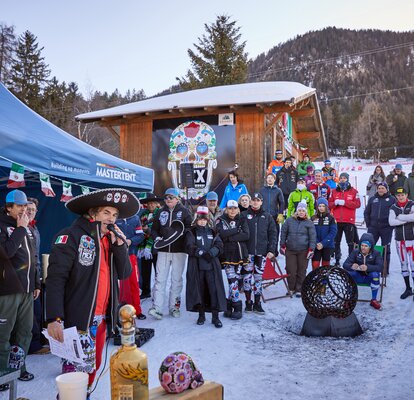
(345,174)
(302,206)
(322,200)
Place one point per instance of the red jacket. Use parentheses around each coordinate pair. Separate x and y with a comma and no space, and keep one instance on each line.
(346,212)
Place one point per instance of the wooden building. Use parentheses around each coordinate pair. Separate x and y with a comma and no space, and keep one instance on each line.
(266,115)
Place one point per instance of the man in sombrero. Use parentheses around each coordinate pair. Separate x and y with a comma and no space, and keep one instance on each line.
(85,263)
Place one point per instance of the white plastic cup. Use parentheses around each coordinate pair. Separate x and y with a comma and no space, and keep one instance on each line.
(72,386)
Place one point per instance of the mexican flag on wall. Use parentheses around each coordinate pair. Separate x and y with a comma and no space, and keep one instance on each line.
(16,177)
(67,191)
(46,185)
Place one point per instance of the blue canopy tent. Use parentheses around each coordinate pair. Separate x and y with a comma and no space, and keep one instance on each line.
(28,139)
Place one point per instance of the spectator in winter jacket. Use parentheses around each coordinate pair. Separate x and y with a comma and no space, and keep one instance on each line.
(402,218)
(204,288)
(310,176)
(326,229)
(262,244)
(376,216)
(213,209)
(244,202)
(396,179)
(303,166)
(365,266)
(234,189)
(377,177)
(329,174)
(409,184)
(85,263)
(343,202)
(277,163)
(273,201)
(319,188)
(298,195)
(286,179)
(171,256)
(234,232)
(297,243)
(129,288)
(19,282)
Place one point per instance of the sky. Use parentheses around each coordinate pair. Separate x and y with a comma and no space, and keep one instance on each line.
(135,44)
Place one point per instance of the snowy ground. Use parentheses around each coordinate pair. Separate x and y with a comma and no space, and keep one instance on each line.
(264,357)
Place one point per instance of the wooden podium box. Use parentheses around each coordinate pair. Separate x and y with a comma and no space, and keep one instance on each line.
(208,391)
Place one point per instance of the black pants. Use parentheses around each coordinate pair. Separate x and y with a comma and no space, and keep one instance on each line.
(351,236)
(208,284)
(146,268)
(324,254)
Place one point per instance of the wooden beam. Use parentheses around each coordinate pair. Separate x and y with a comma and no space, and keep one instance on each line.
(306,113)
(272,123)
(114,133)
(307,135)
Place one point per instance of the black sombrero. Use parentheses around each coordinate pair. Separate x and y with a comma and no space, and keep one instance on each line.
(123,200)
(178,229)
(151,197)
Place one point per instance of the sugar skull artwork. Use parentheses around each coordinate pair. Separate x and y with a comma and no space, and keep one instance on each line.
(193,142)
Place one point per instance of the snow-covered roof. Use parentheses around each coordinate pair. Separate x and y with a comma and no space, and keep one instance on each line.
(218,96)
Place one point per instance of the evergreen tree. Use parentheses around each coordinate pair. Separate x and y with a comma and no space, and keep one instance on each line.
(29,71)
(7,48)
(219,57)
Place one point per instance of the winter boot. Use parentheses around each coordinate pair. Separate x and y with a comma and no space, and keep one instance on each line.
(407,292)
(257,306)
(228,312)
(375,304)
(201,318)
(237,310)
(215,320)
(249,306)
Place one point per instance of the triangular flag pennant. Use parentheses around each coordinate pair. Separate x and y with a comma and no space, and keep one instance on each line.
(46,185)
(67,191)
(85,189)
(16,177)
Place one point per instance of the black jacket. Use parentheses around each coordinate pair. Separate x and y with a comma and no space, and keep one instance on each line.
(286,179)
(73,273)
(263,235)
(273,201)
(19,247)
(161,226)
(195,296)
(377,211)
(402,218)
(234,234)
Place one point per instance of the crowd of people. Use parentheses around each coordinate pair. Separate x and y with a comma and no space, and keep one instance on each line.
(117,253)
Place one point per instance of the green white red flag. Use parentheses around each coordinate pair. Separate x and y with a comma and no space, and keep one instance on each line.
(67,191)
(16,177)
(46,185)
(85,189)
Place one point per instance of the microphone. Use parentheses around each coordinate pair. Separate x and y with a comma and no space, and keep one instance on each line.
(111,228)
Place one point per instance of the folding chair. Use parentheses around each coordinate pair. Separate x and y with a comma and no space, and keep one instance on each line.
(272,274)
(383,252)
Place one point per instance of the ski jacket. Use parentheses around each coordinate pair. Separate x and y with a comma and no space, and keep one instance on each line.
(298,234)
(409,185)
(19,247)
(326,229)
(161,227)
(319,190)
(298,195)
(394,185)
(330,172)
(273,201)
(73,274)
(286,179)
(275,166)
(372,260)
(302,168)
(233,193)
(262,230)
(377,211)
(132,229)
(344,213)
(403,220)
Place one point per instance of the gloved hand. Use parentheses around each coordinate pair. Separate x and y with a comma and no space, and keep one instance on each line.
(339,202)
(147,253)
(207,256)
(283,250)
(309,254)
(280,219)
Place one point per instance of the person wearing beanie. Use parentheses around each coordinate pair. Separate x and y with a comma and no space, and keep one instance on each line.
(409,184)
(277,163)
(286,179)
(396,179)
(297,243)
(326,229)
(329,174)
(204,288)
(301,194)
(262,244)
(376,216)
(318,187)
(343,202)
(364,265)
(303,166)
(377,177)
(234,232)
(402,218)
(310,175)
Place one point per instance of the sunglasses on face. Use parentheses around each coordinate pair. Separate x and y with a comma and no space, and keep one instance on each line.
(169,197)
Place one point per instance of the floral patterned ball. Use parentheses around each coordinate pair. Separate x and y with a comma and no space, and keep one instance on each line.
(178,373)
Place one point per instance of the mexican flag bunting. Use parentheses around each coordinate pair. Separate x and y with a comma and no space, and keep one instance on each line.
(46,185)
(16,177)
(85,189)
(67,191)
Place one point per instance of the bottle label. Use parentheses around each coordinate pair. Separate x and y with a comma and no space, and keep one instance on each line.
(127,340)
(126,392)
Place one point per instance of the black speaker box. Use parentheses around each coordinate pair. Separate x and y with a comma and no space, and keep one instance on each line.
(187,175)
